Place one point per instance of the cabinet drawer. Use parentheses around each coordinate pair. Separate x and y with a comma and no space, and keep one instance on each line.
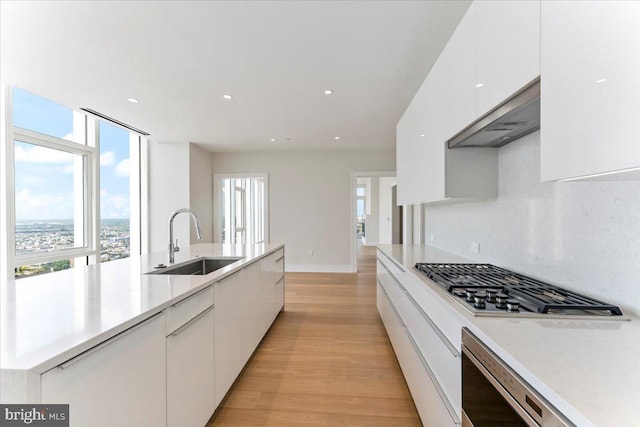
(391,266)
(433,406)
(185,310)
(449,322)
(276,259)
(442,357)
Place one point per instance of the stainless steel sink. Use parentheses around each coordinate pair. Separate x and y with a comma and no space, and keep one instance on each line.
(200,266)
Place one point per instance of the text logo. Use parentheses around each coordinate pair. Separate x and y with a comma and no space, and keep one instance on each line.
(34,415)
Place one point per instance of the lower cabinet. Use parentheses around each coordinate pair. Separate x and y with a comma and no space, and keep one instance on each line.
(247,303)
(174,368)
(429,360)
(190,362)
(121,382)
(229,314)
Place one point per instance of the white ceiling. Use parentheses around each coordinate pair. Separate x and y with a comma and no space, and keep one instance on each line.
(275,57)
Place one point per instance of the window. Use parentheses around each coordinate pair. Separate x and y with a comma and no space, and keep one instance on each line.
(241,216)
(71,187)
(361,202)
(115,197)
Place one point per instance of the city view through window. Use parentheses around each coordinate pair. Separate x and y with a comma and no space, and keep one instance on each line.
(51,190)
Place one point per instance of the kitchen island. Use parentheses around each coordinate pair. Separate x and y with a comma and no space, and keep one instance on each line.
(87,318)
(587,369)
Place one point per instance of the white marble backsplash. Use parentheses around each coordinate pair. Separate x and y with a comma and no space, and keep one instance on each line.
(583,236)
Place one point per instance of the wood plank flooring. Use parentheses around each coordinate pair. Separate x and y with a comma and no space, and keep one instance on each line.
(326,361)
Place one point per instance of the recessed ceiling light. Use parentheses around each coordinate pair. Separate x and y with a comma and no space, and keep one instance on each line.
(600,81)
(134,100)
(479,84)
(422,135)
(336,138)
(328,92)
(227,96)
(273,140)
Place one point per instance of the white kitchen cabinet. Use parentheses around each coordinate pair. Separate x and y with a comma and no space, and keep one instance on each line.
(424,391)
(254,323)
(272,275)
(230,295)
(494,52)
(121,382)
(426,340)
(190,362)
(590,88)
(507,49)
(247,303)
(445,103)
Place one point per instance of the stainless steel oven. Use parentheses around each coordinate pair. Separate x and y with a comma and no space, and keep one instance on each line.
(493,395)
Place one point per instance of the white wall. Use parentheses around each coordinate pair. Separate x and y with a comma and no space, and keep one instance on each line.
(581,235)
(310,200)
(179,177)
(168,191)
(385,209)
(201,191)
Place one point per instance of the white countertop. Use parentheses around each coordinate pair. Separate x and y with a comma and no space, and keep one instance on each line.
(587,369)
(48,319)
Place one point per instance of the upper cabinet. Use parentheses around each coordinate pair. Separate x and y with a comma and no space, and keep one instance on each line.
(590,88)
(508,49)
(493,52)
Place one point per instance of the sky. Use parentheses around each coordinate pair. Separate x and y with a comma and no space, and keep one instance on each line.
(44,177)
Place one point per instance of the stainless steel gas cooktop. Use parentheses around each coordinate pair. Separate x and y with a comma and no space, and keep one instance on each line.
(490,290)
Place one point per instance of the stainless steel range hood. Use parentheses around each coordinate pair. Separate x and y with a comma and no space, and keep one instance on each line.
(516,117)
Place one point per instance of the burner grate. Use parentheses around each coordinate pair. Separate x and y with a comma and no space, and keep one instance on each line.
(537,295)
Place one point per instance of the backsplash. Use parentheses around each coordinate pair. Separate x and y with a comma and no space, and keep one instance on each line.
(583,236)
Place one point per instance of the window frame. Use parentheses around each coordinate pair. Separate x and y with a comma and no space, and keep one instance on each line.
(218,205)
(86,144)
(89,154)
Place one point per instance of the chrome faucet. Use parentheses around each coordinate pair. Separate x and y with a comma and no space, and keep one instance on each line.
(173,248)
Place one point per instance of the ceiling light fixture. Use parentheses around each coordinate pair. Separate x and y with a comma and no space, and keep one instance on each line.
(600,81)
(328,92)
(273,140)
(479,84)
(134,100)
(227,96)
(336,138)
(422,135)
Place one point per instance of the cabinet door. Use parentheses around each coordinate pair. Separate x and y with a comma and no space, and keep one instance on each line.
(590,87)
(230,294)
(254,310)
(454,81)
(411,150)
(190,372)
(272,277)
(121,382)
(508,49)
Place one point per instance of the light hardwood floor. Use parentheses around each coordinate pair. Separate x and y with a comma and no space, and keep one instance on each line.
(326,361)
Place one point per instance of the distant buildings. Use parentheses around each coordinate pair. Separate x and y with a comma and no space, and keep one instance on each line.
(37,236)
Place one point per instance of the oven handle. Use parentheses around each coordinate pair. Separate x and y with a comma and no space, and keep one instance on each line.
(499,388)
(452,412)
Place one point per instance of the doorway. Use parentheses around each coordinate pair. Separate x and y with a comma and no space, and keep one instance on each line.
(241,208)
(372,211)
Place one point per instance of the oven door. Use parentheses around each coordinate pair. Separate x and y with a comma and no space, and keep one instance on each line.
(482,404)
(493,395)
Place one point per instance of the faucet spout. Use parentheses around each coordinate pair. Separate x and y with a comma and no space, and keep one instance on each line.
(173,248)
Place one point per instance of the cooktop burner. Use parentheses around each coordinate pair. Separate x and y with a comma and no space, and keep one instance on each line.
(487,288)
